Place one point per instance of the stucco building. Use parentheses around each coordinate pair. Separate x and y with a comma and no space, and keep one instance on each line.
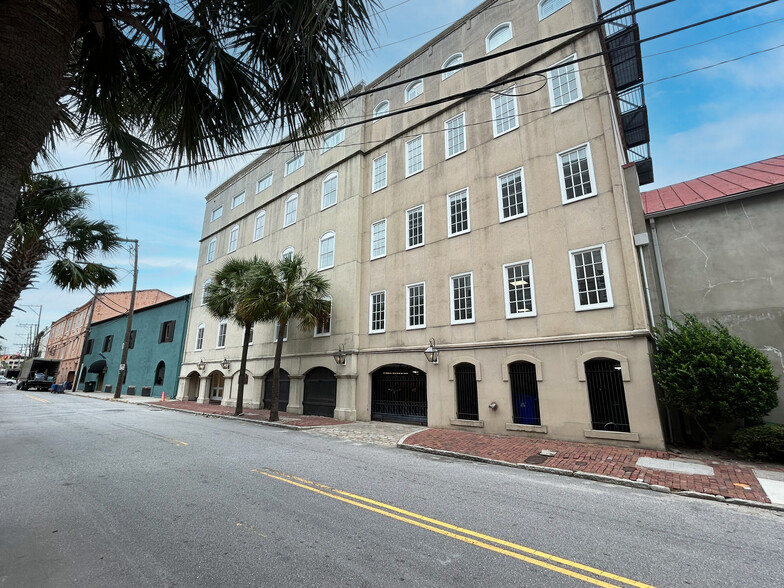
(481,211)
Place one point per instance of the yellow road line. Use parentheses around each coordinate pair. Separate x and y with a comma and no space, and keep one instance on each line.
(38,399)
(357,500)
(177,442)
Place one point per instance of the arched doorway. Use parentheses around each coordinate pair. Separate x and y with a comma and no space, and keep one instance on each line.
(525,393)
(217,383)
(606,395)
(283,390)
(467,395)
(399,394)
(192,390)
(160,374)
(321,388)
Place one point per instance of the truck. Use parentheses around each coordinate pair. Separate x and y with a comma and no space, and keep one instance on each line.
(37,374)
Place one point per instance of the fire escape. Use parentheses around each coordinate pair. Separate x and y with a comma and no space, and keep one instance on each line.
(622,40)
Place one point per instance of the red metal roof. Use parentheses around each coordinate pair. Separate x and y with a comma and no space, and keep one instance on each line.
(763,174)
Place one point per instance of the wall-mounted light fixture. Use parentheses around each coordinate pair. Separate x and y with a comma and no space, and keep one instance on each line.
(225,364)
(431,353)
(340,356)
(201,365)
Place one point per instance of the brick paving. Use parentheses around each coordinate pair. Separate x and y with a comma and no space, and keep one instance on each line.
(294,420)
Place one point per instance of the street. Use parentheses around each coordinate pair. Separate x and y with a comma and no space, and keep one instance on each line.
(110,494)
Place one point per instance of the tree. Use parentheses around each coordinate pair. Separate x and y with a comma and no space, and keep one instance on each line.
(49,224)
(150,83)
(231,294)
(713,376)
(291,294)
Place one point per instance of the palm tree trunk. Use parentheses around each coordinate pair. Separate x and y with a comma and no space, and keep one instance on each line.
(243,365)
(35,45)
(18,272)
(275,396)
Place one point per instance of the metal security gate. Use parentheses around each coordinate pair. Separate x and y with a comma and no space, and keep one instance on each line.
(467,396)
(283,391)
(320,396)
(399,394)
(525,393)
(606,395)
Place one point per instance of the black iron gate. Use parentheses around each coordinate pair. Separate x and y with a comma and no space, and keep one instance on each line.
(320,396)
(606,395)
(525,393)
(283,391)
(467,396)
(399,394)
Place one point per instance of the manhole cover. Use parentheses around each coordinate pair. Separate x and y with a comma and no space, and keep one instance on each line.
(536,459)
(581,463)
(628,468)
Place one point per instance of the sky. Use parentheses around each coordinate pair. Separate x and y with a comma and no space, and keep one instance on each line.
(702,122)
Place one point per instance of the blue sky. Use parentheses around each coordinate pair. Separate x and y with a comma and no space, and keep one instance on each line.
(703,122)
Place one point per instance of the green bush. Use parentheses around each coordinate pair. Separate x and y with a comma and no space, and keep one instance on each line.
(713,376)
(764,442)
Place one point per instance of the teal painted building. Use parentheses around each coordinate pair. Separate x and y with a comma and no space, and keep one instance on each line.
(154,354)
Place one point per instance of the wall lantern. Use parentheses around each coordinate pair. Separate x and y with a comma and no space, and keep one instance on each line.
(225,363)
(201,365)
(431,353)
(340,355)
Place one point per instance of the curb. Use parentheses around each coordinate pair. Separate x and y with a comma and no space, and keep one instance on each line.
(593,477)
(234,418)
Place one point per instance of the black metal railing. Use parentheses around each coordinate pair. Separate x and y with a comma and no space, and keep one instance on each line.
(606,395)
(467,396)
(621,17)
(525,393)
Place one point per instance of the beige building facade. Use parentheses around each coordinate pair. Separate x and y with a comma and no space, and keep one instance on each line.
(481,212)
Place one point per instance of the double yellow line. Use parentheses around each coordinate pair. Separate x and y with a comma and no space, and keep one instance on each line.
(519,552)
(36,398)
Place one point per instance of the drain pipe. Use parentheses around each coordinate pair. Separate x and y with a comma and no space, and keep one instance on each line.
(641,240)
(660,273)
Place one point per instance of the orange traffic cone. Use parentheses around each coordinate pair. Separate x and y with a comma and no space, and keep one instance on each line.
(163,396)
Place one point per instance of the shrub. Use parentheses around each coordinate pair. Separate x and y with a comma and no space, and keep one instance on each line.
(764,442)
(713,376)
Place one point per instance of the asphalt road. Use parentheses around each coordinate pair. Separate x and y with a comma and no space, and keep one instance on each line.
(108,494)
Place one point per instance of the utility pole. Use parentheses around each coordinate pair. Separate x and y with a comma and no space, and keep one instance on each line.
(129,324)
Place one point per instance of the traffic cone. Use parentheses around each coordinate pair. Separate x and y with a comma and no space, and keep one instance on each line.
(163,396)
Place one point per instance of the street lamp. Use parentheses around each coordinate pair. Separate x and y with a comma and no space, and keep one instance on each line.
(431,353)
(340,356)
(201,365)
(225,363)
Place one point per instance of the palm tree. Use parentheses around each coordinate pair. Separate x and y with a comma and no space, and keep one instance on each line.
(230,294)
(290,294)
(49,223)
(157,82)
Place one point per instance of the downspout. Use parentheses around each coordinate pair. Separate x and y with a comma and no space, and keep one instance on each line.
(660,273)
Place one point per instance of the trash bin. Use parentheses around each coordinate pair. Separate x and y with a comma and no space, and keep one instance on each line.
(89,386)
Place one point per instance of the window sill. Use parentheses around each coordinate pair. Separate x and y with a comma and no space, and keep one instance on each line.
(527,428)
(611,435)
(466,423)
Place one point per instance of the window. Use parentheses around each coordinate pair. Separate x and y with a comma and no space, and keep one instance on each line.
(576,174)
(211,249)
(381,109)
(564,84)
(525,393)
(455,59)
(548,7)
(294,164)
(380,172)
(290,210)
(237,200)
(415,306)
(511,195)
(378,311)
(327,251)
(414,159)
(457,212)
(277,330)
(590,282)
(258,226)
(324,322)
(167,332)
(498,36)
(216,213)
(204,292)
(454,135)
(519,289)
(107,343)
(199,338)
(250,337)
(89,347)
(329,190)
(466,392)
(132,339)
(414,89)
(264,183)
(221,343)
(415,226)
(462,299)
(378,239)
(504,112)
(288,253)
(332,140)
(234,235)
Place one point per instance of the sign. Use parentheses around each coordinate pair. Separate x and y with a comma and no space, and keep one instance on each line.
(122,367)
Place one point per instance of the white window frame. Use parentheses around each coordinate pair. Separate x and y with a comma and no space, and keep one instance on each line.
(222,330)
(207,282)
(455,57)
(211,247)
(414,89)
(276,326)
(447,134)
(238,199)
(410,171)
(292,200)
(546,8)
(499,184)
(383,223)
(216,213)
(497,29)
(294,164)
(329,332)
(409,326)
(449,197)
(408,226)
(376,165)
(252,333)
(605,273)
(325,238)
(259,225)
(562,180)
(507,301)
(287,252)
(452,299)
(509,92)
(332,140)
(329,177)
(234,237)
(199,338)
(551,75)
(264,183)
(372,331)
(381,109)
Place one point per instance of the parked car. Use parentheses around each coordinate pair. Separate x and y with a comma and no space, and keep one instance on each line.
(7,381)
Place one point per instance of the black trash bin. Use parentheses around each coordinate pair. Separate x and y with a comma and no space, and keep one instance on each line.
(89,386)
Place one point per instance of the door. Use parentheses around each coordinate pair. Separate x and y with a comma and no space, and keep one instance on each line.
(320,395)
(217,383)
(283,390)
(399,394)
